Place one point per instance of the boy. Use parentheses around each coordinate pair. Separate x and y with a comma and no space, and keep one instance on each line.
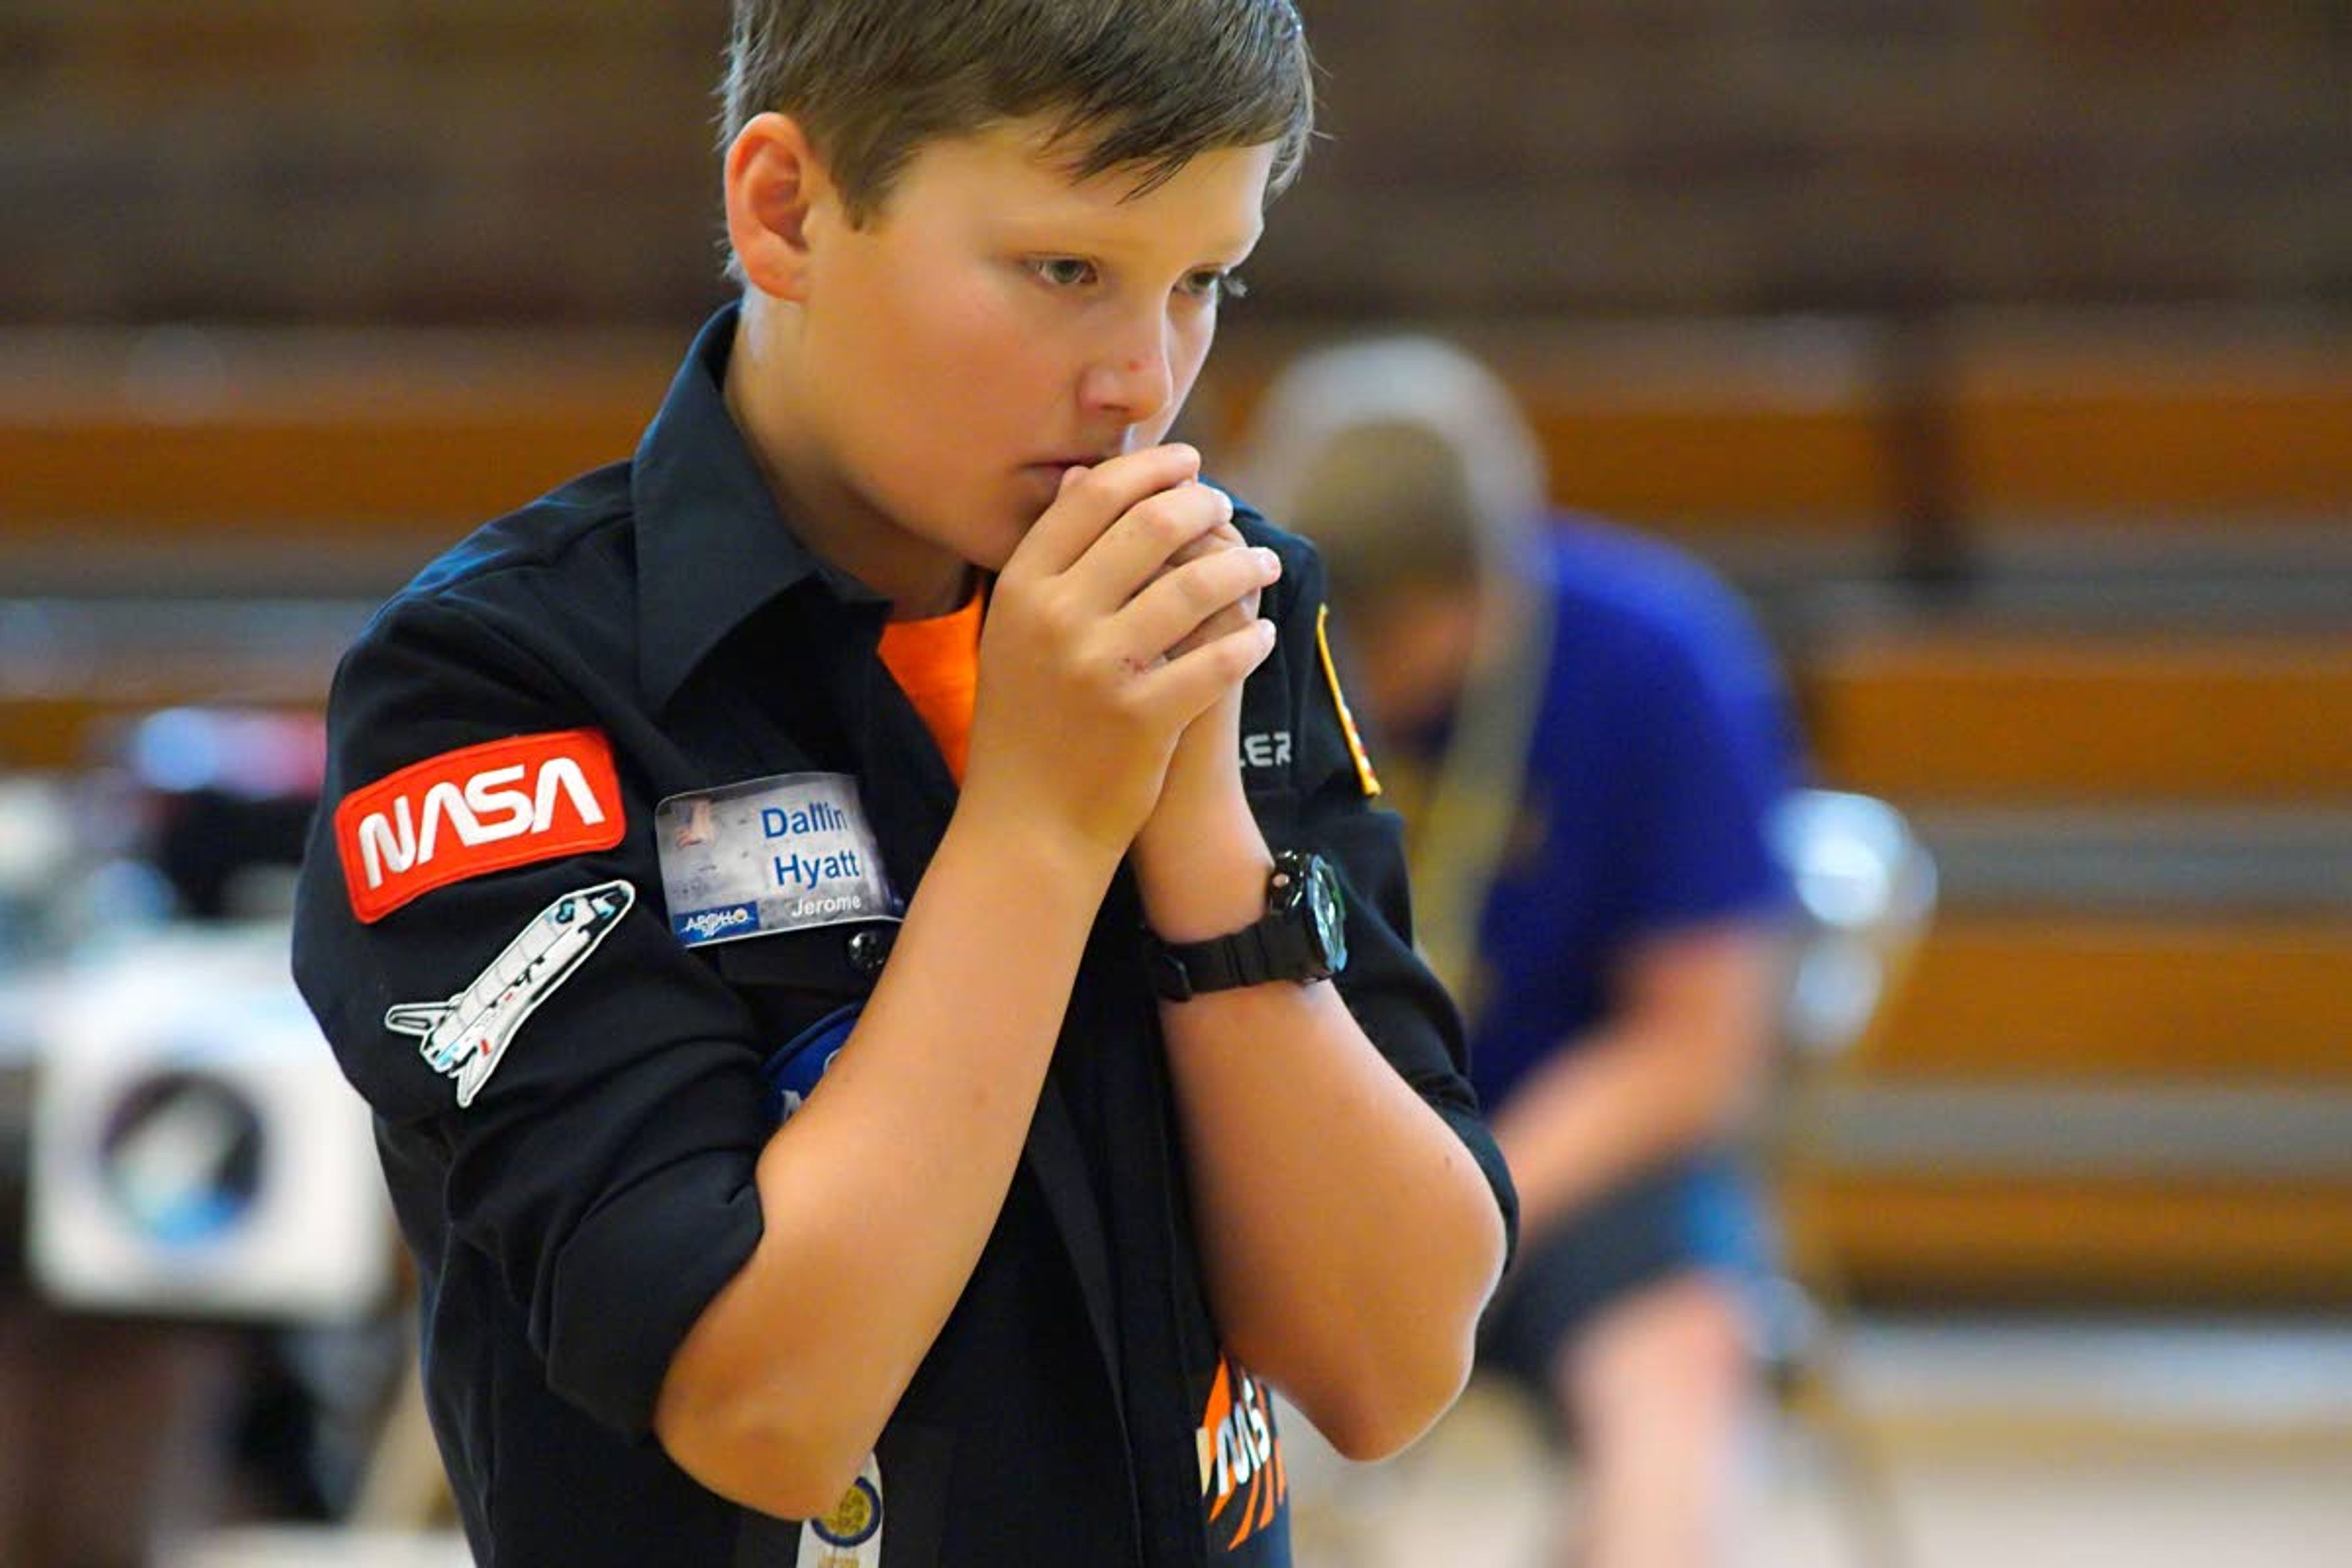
(852,1042)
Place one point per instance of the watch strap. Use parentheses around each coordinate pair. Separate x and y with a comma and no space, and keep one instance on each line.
(1281,944)
(1181,971)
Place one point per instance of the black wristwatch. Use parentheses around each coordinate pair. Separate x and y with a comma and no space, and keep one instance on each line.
(1303,937)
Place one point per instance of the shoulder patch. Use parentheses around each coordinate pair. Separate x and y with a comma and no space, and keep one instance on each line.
(465,1036)
(1362,759)
(484,808)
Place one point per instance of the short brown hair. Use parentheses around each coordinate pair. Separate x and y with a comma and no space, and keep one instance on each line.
(1140,84)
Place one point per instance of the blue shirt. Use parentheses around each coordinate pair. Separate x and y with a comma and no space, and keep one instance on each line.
(1661,745)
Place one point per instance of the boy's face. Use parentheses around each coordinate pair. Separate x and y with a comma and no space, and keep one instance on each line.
(993,325)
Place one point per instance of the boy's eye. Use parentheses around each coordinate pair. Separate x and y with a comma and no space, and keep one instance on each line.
(1212,284)
(1063,271)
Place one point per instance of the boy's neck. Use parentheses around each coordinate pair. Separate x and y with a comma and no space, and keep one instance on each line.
(836,524)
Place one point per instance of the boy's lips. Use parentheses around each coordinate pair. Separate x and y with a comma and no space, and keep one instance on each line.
(1050,470)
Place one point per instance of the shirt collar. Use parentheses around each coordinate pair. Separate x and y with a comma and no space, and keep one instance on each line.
(713,547)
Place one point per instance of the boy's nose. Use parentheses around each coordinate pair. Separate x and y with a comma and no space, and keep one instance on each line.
(1134,380)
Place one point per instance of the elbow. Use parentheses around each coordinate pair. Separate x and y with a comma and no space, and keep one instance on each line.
(1402,1386)
(802,1485)
(759,1453)
(752,1409)
(1383,1417)
(1389,1391)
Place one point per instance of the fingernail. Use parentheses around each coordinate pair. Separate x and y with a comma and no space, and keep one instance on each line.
(1269,562)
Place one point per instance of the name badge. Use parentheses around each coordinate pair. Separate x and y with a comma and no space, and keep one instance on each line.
(769,854)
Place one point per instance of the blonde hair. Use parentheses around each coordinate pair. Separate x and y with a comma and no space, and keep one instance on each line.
(1400,455)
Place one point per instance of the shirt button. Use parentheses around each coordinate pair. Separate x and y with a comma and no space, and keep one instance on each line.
(868,950)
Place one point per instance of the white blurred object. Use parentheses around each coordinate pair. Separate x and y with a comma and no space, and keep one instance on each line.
(195,1150)
(37,855)
(1865,886)
(37,834)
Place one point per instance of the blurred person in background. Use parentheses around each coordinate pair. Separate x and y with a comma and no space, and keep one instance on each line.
(1586,736)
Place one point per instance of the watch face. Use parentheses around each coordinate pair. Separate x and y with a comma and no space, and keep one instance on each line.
(1325,908)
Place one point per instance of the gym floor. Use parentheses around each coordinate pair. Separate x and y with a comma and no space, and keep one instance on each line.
(2021,1443)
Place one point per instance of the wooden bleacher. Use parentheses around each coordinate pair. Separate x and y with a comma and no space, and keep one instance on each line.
(1729,422)
(2172,996)
(1981,713)
(326,467)
(2198,423)
(2001,1239)
(274,468)
(2155,1077)
(279,432)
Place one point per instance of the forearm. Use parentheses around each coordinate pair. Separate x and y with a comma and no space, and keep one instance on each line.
(1309,1156)
(881,1190)
(1348,1238)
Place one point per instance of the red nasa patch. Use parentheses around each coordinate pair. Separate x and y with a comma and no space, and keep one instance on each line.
(484,808)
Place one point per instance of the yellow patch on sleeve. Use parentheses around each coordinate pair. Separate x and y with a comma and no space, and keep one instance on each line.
(1364,774)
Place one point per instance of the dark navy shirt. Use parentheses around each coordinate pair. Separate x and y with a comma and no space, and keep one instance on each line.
(1662,744)
(570,1099)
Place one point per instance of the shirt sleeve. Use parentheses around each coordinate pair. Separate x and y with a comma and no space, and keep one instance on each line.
(1324,806)
(603,1164)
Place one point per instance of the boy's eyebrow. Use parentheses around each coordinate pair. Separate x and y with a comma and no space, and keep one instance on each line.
(1245,250)
(1052,231)
(1239,247)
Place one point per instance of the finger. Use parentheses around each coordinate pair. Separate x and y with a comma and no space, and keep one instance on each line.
(1225,536)
(1186,687)
(1239,613)
(1173,609)
(1143,542)
(1092,499)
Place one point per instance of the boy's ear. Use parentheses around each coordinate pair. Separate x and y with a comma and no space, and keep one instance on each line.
(774,179)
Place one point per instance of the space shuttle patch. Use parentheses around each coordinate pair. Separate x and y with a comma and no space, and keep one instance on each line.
(465,1036)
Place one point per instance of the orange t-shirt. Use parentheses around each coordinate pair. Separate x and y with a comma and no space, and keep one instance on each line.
(936,663)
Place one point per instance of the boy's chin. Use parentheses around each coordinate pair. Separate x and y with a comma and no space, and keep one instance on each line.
(991,552)
(1005,542)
